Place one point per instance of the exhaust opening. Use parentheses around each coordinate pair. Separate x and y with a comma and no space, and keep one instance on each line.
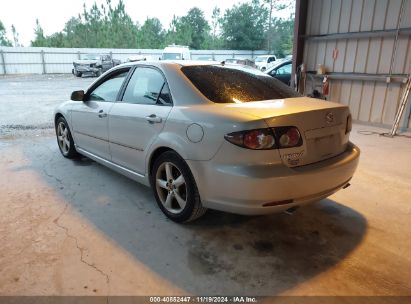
(346,185)
(291,210)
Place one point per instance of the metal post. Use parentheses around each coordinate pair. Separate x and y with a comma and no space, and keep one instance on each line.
(43,63)
(400,111)
(78,55)
(3,62)
(301,7)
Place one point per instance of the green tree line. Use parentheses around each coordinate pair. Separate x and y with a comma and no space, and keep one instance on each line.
(245,26)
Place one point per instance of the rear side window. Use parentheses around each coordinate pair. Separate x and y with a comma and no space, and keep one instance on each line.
(236,85)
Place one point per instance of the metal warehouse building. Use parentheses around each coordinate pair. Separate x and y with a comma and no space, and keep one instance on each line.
(364,46)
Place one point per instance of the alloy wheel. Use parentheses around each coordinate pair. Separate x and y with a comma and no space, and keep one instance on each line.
(63,138)
(171,187)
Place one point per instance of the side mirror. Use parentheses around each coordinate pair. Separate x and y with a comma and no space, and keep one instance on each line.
(77,95)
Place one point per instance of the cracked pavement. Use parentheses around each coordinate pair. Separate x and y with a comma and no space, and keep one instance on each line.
(77,228)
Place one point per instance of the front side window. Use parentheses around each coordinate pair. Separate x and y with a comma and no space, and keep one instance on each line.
(236,85)
(147,86)
(108,90)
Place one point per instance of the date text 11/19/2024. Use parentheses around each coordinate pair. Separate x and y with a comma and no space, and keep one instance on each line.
(204,299)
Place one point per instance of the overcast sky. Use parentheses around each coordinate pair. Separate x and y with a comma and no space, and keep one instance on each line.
(53,14)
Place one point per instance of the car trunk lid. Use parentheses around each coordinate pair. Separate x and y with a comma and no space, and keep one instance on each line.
(322,125)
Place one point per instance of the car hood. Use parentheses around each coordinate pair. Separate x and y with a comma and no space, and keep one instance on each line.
(279,107)
(84,61)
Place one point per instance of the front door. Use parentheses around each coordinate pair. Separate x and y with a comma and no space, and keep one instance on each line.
(90,118)
(283,73)
(135,122)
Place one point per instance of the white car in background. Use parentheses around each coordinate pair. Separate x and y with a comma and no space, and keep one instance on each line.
(264,62)
(207,135)
(176,52)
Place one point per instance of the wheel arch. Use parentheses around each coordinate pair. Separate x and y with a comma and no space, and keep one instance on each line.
(154,155)
(57,116)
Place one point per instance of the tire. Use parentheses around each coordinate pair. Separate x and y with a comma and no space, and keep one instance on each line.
(177,198)
(99,72)
(78,74)
(64,139)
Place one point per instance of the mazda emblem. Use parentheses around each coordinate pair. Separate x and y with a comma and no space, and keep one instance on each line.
(329,117)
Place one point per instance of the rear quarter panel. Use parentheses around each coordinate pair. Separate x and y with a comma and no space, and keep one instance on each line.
(214,123)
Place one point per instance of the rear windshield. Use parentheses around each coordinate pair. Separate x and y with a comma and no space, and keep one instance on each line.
(236,84)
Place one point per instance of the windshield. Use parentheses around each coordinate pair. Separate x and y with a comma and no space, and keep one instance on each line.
(236,84)
(171,56)
(90,57)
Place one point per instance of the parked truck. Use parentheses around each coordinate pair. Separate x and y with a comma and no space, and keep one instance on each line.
(94,64)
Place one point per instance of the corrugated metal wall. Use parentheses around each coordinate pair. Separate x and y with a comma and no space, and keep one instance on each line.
(29,60)
(370,101)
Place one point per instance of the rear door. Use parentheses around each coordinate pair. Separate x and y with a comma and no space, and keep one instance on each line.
(134,123)
(90,118)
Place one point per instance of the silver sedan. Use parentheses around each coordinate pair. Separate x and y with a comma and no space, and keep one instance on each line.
(207,135)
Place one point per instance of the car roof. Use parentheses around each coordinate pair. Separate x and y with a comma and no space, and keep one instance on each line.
(160,63)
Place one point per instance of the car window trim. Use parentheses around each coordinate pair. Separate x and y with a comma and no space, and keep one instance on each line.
(104,79)
(125,84)
(120,98)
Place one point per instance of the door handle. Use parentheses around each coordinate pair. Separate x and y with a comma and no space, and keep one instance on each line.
(153,118)
(101,114)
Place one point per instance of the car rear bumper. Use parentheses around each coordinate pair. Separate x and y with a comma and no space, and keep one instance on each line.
(252,190)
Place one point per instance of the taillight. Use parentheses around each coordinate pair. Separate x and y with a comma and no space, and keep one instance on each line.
(288,137)
(260,139)
(264,139)
(348,127)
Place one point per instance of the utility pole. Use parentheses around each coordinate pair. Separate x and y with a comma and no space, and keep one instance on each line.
(270,25)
